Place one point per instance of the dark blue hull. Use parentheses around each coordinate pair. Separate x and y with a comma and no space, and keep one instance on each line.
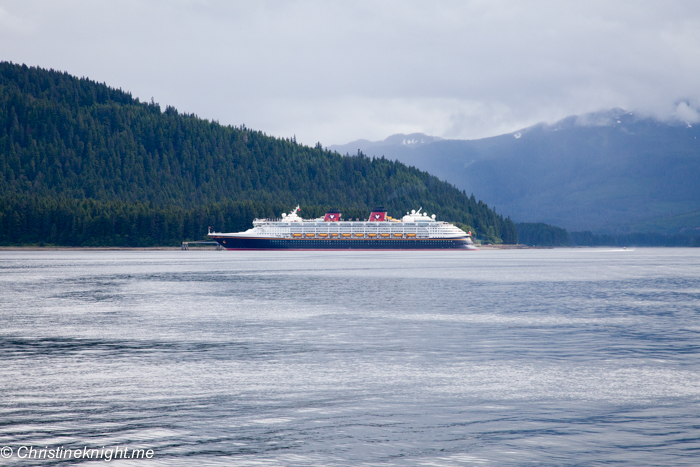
(237,243)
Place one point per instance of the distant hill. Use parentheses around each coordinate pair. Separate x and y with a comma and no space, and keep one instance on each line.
(85,164)
(605,172)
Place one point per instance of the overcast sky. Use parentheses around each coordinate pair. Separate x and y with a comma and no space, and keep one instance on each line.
(339,71)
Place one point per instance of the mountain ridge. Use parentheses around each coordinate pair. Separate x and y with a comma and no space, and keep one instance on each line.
(613,171)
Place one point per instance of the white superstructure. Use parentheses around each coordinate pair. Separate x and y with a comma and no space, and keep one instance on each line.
(414,225)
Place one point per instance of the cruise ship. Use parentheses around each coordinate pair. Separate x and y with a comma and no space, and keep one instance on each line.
(415,231)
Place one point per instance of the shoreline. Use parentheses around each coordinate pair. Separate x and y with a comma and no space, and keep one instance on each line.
(213,248)
(93,248)
(512,247)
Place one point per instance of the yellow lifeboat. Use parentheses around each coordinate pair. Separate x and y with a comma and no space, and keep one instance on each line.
(310,235)
(385,235)
(323,235)
(346,235)
(359,235)
(296,235)
(398,235)
(334,235)
(372,235)
(410,235)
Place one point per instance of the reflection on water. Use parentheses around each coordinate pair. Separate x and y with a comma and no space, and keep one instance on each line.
(347,358)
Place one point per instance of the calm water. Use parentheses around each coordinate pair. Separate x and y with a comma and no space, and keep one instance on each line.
(533,357)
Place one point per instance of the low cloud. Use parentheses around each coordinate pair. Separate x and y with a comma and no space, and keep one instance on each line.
(685,112)
(339,71)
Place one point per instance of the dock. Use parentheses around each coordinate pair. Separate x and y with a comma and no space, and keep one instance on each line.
(186,245)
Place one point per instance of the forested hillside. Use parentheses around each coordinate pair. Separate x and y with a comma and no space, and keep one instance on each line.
(85,164)
(539,234)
